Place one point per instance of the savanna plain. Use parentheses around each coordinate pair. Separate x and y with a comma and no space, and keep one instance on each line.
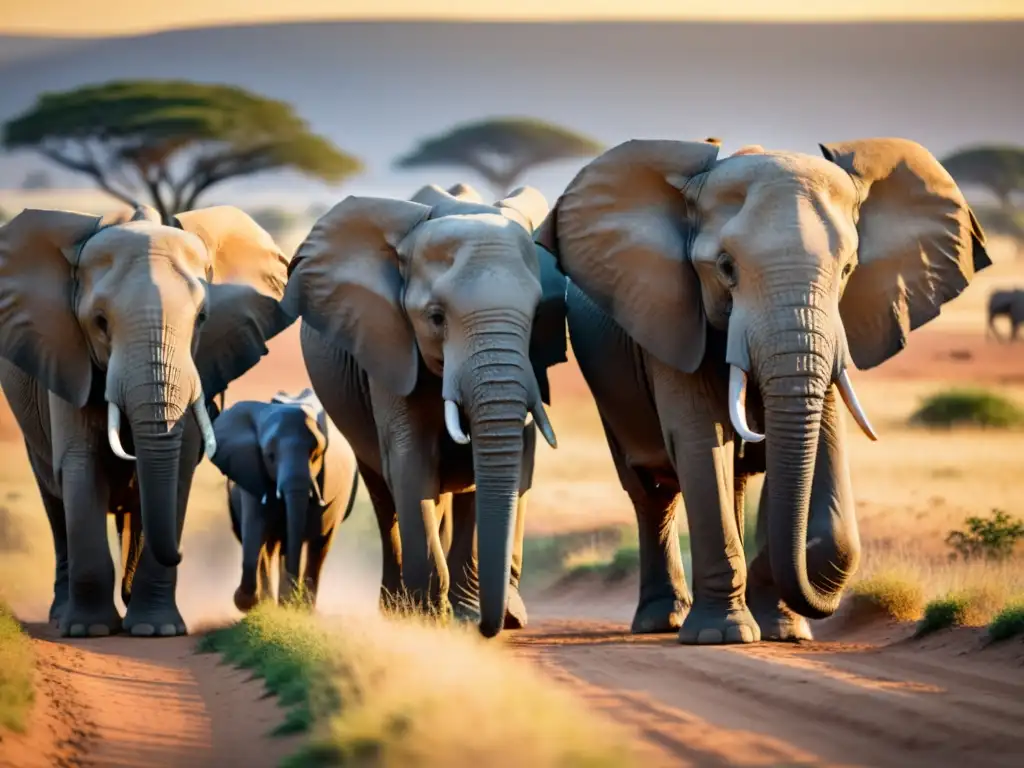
(922,665)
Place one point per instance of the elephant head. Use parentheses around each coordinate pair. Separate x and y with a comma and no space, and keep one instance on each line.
(275,452)
(806,263)
(152,319)
(454,287)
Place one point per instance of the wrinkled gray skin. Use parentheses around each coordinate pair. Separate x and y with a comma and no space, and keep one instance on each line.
(415,309)
(711,298)
(104,319)
(289,487)
(1008,304)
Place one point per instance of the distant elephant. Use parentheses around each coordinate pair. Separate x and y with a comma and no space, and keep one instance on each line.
(1008,304)
(691,276)
(104,316)
(289,485)
(418,317)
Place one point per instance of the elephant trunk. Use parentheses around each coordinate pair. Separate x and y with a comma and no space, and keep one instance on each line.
(499,389)
(295,492)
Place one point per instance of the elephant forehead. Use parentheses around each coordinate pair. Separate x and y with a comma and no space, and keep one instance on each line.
(778,174)
(142,239)
(451,232)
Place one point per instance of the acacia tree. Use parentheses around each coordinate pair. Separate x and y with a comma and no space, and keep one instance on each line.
(172,140)
(999,169)
(500,150)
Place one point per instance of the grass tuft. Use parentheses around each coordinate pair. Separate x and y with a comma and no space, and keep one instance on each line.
(17,673)
(889,594)
(968,407)
(396,692)
(1009,622)
(968,608)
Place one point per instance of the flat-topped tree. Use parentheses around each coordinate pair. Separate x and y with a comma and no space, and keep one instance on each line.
(172,140)
(500,150)
(999,169)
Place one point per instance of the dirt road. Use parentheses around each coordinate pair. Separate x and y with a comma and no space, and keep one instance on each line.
(123,702)
(870,697)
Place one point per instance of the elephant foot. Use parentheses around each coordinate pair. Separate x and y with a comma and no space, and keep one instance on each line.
(90,621)
(154,621)
(716,623)
(515,610)
(57,609)
(245,601)
(659,615)
(778,623)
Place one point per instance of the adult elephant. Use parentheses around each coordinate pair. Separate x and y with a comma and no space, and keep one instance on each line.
(1008,304)
(123,315)
(419,317)
(290,485)
(692,277)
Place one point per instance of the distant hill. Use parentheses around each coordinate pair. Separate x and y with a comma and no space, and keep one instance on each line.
(375,88)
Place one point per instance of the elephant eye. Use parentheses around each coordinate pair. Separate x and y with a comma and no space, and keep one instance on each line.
(727,269)
(435,317)
(847,269)
(101,324)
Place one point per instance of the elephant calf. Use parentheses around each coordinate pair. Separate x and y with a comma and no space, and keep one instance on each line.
(1008,304)
(289,485)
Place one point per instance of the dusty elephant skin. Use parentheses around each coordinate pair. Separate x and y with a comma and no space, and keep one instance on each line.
(710,297)
(419,317)
(289,485)
(124,317)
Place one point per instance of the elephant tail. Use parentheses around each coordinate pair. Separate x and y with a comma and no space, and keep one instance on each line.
(352,495)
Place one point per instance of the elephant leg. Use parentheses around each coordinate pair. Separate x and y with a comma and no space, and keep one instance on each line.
(154,610)
(316,554)
(390,540)
(54,508)
(699,440)
(444,513)
(664,599)
(90,610)
(129,534)
(464,591)
(833,551)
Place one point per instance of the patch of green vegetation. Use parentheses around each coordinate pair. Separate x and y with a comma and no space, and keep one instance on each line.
(993,538)
(968,407)
(372,690)
(17,673)
(1009,622)
(889,594)
(946,612)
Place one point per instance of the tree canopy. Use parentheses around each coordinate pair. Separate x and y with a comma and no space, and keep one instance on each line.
(172,140)
(1000,169)
(500,150)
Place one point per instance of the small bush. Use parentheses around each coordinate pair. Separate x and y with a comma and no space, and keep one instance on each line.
(890,595)
(967,608)
(1008,623)
(968,407)
(992,538)
(17,670)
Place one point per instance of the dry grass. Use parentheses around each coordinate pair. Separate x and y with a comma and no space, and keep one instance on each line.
(17,671)
(398,692)
(889,595)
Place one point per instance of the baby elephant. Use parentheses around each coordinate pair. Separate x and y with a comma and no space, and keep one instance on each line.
(288,485)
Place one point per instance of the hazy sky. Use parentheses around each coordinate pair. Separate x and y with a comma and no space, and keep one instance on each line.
(103,17)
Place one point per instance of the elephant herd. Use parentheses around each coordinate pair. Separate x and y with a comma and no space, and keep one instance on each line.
(714,306)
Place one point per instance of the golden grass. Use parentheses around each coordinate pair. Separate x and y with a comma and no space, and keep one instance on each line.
(17,672)
(398,692)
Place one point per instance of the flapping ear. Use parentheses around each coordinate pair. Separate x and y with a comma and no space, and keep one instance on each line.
(238,453)
(345,282)
(525,206)
(39,331)
(621,231)
(920,244)
(247,283)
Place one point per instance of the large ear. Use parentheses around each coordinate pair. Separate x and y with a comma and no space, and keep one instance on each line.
(621,231)
(238,453)
(248,278)
(345,282)
(526,206)
(920,244)
(39,331)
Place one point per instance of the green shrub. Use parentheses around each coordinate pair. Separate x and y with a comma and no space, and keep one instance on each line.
(946,612)
(968,407)
(1009,622)
(890,595)
(992,538)
(17,671)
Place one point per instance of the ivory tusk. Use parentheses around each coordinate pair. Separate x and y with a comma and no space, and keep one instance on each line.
(203,418)
(114,432)
(451,421)
(849,396)
(543,424)
(738,405)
